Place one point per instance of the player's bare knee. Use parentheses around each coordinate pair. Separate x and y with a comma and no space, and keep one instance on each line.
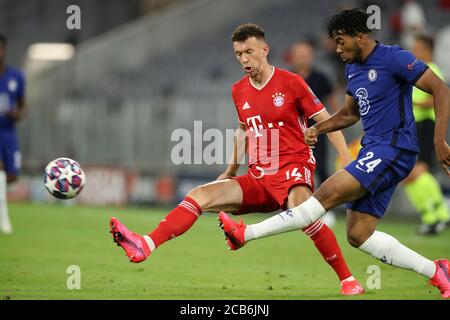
(355,238)
(201,196)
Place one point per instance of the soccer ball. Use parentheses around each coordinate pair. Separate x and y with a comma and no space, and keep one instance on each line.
(64,178)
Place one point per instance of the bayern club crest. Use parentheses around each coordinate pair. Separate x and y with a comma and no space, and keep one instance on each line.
(372,75)
(278,99)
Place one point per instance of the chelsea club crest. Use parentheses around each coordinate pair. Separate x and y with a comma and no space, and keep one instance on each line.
(372,75)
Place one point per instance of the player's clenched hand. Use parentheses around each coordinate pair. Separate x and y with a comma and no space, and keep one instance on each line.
(311,136)
(443,155)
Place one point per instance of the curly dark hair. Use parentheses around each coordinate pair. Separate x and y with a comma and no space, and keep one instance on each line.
(348,22)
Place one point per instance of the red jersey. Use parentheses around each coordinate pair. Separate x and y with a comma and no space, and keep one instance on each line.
(275,117)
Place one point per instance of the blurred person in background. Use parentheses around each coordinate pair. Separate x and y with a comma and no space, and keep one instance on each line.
(422,188)
(12,109)
(412,22)
(338,66)
(302,56)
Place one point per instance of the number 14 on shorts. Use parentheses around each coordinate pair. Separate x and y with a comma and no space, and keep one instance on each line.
(297,175)
(366,163)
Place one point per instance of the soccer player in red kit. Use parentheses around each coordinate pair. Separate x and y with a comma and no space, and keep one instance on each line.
(273,106)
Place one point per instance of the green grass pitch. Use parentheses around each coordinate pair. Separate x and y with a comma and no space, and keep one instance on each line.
(47,239)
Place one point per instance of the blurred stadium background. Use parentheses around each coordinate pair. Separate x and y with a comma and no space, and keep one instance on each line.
(139,70)
(142,68)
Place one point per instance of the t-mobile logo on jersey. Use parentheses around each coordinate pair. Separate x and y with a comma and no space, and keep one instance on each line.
(254,126)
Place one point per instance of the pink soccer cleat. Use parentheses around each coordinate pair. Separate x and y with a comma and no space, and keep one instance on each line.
(233,231)
(351,288)
(441,278)
(134,245)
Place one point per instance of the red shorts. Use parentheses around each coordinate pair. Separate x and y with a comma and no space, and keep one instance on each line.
(269,192)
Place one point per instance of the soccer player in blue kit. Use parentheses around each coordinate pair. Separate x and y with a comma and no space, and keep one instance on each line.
(380,79)
(12,109)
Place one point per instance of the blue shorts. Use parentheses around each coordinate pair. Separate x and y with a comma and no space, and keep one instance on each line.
(10,154)
(379,169)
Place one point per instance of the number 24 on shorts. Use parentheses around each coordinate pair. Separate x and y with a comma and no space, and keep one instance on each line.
(365,166)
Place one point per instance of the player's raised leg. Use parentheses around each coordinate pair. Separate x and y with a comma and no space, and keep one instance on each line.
(214,196)
(340,188)
(361,229)
(322,236)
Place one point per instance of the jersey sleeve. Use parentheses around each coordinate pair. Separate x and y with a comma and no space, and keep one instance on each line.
(20,85)
(307,101)
(406,66)
(233,94)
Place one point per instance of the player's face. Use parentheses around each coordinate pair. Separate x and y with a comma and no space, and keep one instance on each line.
(251,54)
(348,48)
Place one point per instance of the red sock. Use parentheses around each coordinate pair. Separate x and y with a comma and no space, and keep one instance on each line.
(326,243)
(177,222)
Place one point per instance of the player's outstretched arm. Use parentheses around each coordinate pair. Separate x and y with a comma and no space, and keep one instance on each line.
(347,116)
(238,153)
(336,138)
(432,84)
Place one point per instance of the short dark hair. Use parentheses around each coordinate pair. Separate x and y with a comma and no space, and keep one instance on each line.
(348,22)
(3,40)
(248,30)
(426,39)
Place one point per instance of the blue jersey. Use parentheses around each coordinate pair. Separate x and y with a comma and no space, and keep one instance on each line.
(382,86)
(12,87)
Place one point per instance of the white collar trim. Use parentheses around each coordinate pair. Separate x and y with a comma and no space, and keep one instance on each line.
(268,80)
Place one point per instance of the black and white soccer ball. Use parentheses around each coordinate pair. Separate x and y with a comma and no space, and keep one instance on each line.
(64,178)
